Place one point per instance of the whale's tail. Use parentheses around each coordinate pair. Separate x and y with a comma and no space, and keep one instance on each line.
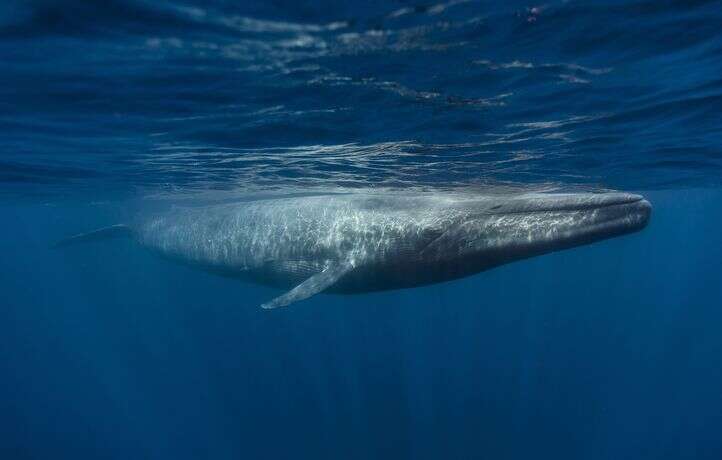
(114,231)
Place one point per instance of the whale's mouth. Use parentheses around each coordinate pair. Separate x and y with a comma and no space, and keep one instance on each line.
(539,223)
(631,215)
(586,218)
(602,215)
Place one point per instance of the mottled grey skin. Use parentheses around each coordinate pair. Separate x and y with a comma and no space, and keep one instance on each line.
(367,242)
(351,243)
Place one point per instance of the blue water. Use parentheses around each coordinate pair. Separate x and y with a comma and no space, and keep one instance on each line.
(601,352)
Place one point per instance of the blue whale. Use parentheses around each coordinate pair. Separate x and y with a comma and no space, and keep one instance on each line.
(363,242)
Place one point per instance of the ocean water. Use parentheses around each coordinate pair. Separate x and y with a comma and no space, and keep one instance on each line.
(606,351)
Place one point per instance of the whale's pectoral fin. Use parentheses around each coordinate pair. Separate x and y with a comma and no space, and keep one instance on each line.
(312,286)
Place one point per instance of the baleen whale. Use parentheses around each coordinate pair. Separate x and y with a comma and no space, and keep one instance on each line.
(363,242)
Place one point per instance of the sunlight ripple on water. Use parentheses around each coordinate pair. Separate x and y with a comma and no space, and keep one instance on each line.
(207,96)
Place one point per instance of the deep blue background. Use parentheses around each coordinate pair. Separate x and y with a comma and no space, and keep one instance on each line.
(605,351)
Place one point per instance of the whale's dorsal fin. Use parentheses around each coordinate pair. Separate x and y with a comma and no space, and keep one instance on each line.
(333,271)
(114,231)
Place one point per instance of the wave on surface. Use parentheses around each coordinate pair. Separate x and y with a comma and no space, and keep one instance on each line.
(185,95)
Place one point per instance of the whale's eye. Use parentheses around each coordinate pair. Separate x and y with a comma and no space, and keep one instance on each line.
(495,207)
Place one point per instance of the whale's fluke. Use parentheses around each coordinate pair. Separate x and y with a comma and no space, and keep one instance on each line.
(114,231)
(317,283)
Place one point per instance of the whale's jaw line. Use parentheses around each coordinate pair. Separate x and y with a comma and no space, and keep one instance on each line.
(629,217)
(620,215)
(553,223)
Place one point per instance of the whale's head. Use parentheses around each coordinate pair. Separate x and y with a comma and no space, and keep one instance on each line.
(499,230)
